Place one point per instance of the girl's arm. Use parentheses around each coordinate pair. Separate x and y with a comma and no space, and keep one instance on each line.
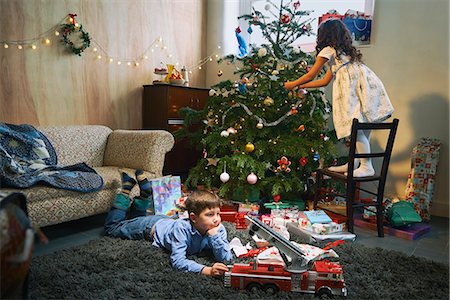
(318,65)
(318,83)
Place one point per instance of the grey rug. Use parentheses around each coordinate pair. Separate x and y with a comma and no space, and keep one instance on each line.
(121,269)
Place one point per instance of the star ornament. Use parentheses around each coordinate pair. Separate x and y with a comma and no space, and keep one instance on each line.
(212,161)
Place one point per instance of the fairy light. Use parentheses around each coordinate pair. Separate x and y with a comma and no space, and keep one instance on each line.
(100,51)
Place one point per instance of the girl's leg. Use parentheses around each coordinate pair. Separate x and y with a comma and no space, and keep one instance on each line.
(363,146)
(343,168)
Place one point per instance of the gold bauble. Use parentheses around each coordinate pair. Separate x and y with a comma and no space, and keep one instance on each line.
(268,101)
(249,147)
(260,125)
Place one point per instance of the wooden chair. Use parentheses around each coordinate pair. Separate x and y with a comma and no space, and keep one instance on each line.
(353,184)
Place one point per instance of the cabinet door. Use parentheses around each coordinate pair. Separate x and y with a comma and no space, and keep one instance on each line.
(179,98)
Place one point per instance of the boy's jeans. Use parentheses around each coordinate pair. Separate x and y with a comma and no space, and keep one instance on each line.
(136,228)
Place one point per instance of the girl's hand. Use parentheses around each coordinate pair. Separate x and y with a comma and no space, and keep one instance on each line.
(289,85)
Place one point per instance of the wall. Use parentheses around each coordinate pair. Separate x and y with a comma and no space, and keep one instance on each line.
(50,86)
(410,53)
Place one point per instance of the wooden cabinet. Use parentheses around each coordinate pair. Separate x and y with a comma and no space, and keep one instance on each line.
(160,110)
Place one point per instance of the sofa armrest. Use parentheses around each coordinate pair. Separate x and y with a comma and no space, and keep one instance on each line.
(138,149)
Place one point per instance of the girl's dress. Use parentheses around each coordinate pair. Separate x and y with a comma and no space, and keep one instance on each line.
(357,93)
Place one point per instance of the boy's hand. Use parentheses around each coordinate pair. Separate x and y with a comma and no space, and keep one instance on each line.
(214,230)
(218,269)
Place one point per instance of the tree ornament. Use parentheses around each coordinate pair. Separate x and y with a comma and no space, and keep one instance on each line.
(219,73)
(252,178)
(82,40)
(268,101)
(224,177)
(296,5)
(262,52)
(212,92)
(283,165)
(300,128)
(224,133)
(275,72)
(249,147)
(241,42)
(260,125)
(249,29)
(267,7)
(303,161)
(316,156)
(285,19)
(302,93)
(212,161)
(294,111)
(303,64)
(231,130)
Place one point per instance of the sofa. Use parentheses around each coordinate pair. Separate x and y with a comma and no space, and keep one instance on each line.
(109,152)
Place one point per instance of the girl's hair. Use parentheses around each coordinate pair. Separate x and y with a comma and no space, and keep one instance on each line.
(333,33)
(198,201)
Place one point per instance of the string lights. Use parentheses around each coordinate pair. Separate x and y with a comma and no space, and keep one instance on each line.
(100,52)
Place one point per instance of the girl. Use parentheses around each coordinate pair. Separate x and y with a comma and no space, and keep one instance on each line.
(357,91)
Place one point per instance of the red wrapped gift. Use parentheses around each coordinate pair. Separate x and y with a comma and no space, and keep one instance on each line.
(332,14)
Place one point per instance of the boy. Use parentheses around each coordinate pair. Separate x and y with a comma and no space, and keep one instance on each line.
(182,237)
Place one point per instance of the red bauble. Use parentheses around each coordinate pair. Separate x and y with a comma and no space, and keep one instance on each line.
(285,19)
(303,161)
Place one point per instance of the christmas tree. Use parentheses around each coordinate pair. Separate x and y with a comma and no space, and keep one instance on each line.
(257,137)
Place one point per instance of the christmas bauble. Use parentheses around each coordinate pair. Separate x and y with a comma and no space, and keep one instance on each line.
(259,125)
(212,92)
(231,130)
(249,147)
(219,73)
(252,178)
(262,52)
(304,64)
(268,101)
(267,7)
(302,93)
(224,177)
(285,19)
(224,133)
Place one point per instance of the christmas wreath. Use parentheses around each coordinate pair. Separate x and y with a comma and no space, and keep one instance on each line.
(72,27)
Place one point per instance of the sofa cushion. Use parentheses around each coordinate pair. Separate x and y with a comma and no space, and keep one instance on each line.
(75,144)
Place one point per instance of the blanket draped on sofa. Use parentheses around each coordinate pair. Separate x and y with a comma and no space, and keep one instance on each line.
(27,158)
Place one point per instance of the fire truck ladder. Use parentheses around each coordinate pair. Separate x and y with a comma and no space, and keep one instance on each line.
(298,261)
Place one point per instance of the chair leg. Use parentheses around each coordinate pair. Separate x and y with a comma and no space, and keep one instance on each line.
(350,199)
(380,217)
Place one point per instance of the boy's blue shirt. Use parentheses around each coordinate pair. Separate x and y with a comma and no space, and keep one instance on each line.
(182,239)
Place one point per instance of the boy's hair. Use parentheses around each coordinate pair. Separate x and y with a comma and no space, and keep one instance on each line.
(333,33)
(198,201)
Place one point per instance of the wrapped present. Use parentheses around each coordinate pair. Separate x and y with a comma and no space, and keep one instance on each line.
(166,191)
(317,216)
(267,219)
(359,24)
(420,184)
(249,208)
(331,14)
(328,228)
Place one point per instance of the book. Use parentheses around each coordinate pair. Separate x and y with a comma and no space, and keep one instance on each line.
(317,216)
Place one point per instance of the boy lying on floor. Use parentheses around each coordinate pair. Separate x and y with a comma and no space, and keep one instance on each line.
(182,237)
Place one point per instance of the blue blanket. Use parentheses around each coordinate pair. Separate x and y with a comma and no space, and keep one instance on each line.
(27,158)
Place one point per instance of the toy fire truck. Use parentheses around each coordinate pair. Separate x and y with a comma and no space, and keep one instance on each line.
(319,277)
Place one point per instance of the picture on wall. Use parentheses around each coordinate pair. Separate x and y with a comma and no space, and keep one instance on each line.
(357,15)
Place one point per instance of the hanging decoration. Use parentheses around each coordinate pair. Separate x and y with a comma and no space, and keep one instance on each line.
(224,177)
(70,28)
(75,44)
(252,178)
(283,165)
